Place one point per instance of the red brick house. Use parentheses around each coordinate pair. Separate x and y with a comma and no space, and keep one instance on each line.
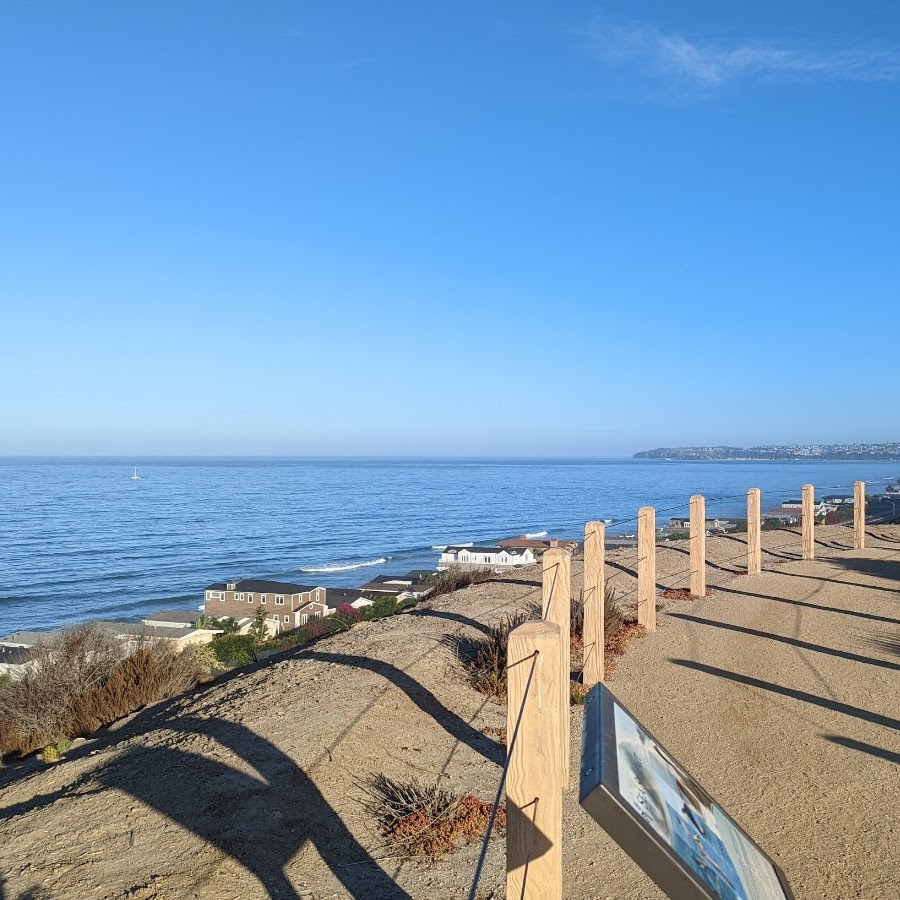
(289,605)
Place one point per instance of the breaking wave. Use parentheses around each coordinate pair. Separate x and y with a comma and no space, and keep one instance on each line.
(346,567)
(537,534)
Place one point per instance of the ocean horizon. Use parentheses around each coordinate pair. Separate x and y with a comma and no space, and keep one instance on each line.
(81,539)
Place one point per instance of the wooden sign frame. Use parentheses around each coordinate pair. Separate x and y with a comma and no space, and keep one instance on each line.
(662,817)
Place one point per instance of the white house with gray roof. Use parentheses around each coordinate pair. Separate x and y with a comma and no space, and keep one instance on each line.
(486,557)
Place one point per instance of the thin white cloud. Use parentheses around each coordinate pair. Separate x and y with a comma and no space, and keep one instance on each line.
(710,65)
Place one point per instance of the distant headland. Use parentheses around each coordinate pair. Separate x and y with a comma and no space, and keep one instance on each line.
(889,452)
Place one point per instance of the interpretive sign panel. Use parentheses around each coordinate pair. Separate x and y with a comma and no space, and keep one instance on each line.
(662,818)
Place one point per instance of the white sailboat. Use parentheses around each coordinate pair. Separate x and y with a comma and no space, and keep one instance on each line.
(135,476)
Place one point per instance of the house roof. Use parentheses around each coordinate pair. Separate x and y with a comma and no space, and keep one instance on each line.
(13,656)
(525,543)
(337,596)
(419,574)
(261,586)
(512,551)
(182,616)
(26,638)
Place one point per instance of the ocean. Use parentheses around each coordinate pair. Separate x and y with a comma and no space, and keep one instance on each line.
(79,539)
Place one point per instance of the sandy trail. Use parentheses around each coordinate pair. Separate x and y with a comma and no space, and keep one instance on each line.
(777,692)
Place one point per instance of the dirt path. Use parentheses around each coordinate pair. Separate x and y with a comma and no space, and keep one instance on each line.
(777,692)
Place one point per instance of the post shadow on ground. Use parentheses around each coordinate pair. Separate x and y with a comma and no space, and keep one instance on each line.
(735,566)
(803,696)
(261,820)
(517,581)
(871,587)
(450,617)
(862,747)
(457,727)
(793,642)
(889,569)
(814,606)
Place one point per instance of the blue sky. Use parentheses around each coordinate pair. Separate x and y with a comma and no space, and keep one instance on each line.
(474,228)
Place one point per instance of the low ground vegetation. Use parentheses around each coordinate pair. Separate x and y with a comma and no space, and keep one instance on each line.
(426,820)
(485,659)
(81,680)
(455,578)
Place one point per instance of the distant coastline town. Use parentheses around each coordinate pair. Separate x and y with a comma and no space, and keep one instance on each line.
(889,452)
(280,610)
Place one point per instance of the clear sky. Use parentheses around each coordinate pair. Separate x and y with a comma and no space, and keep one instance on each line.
(512,227)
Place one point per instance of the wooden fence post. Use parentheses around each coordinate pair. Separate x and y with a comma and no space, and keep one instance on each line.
(754,532)
(557,608)
(859,515)
(646,566)
(808,522)
(534,780)
(593,597)
(698,546)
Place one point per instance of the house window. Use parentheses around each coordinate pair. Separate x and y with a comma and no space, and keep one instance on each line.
(279,601)
(249,598)
(287,618)
(214,595)
(317,615)
(262,599)
(239,597)
(303,619)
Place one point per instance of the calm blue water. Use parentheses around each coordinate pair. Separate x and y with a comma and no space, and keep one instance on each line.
(79,539)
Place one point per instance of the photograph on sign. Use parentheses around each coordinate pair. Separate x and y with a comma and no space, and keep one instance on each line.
(634,778)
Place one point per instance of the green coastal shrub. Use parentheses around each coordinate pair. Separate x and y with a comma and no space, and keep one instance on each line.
(380,609)
(235,649)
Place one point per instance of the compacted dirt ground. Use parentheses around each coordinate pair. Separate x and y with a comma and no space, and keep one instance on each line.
(778,692)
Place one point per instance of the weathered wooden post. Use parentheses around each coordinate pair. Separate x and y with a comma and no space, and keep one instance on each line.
(808,522)
(557,608)
(593,596)
(754,532)
(534,780)
(646,566)
(698,546)
(859,515)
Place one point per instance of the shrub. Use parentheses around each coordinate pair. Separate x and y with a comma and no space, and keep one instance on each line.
(235,648)
(380,609)
(456,578)
(226,623)
(81,680)
(50,754)
(346,614)
(426,820)
(485,659)
(612,616)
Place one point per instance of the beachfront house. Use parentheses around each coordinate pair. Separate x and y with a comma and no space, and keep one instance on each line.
(486,557)
(412,585)
(540,544)
(682,523)
(287,605)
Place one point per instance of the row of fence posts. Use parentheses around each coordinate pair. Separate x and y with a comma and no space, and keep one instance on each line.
(539,670)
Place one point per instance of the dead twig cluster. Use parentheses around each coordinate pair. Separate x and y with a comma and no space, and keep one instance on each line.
(426,820)
(84,678)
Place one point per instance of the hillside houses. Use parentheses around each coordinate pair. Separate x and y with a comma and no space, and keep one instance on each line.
(486,557)
(287,605)
(537,544)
